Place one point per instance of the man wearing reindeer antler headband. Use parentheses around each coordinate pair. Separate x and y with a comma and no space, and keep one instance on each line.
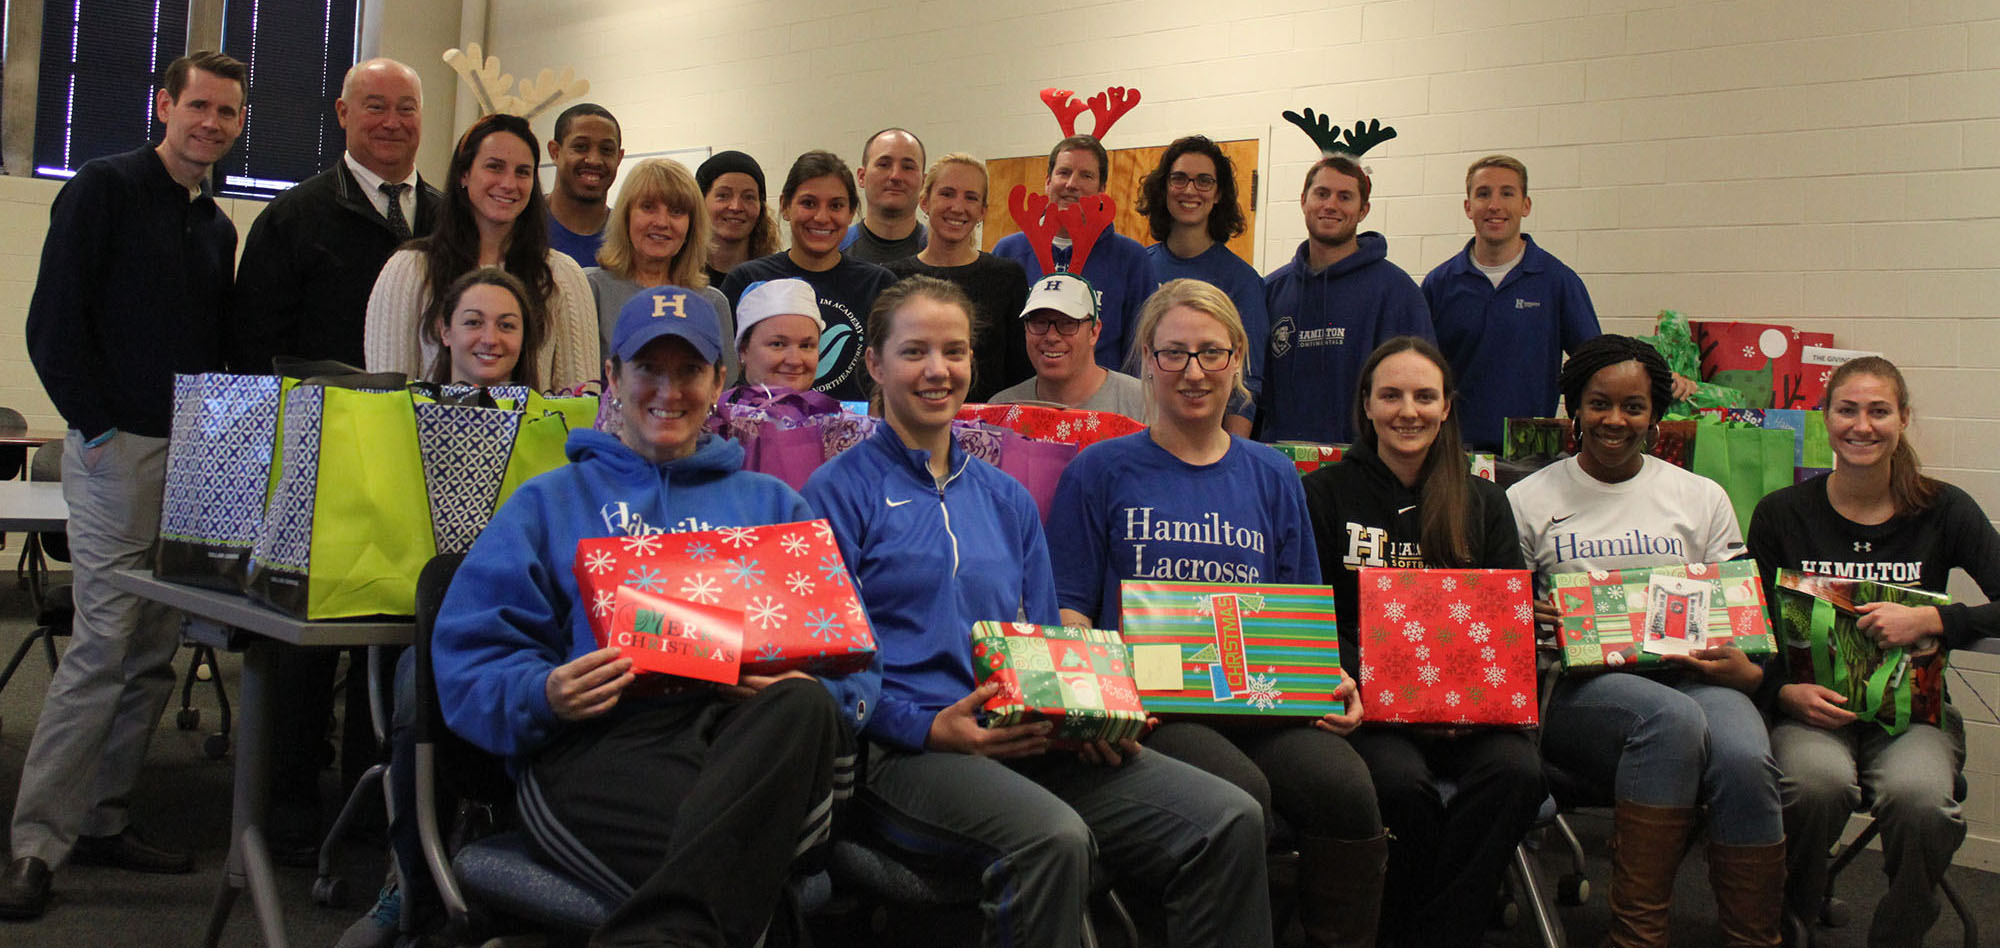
(1337,300)
(1114,264)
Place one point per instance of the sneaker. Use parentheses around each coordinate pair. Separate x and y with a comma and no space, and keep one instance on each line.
(378,928)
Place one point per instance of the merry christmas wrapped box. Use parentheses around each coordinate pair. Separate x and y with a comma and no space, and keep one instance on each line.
(1080,679)
(1308,456)
(1246,651)
(1067,425)
(1634,617)
(786,580)
(1448,646)
(1894,687)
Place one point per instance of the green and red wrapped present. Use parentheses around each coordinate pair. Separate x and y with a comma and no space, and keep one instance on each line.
(1894,687)
(1448,646)
(1308,456)
(1245,651)
(1764,361)
(1068,425)
(1633,617)
(1079,679)
(786,582)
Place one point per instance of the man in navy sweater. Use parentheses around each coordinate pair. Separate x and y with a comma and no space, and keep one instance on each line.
(135,278)
(1505,309)
(1337,300)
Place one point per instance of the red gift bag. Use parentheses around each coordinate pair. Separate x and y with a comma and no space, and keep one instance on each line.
(1067,425)
(1448,646)
(1764,361)
(786,580)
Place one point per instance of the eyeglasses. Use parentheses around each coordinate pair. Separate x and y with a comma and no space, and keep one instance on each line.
(1212,359)
(1201,182)
(1066,327)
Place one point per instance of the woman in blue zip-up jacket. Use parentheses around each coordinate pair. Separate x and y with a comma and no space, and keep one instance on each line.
(691,805)
(938,541)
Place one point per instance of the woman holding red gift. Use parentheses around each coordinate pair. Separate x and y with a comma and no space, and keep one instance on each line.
(1670,743)
(1402,497)
(937,541)
(692,805)
(1115,509)
(1876,517)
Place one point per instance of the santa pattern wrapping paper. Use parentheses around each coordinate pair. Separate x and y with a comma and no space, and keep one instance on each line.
(1448,646)
(798,602)
(1080,679)
(1604,612)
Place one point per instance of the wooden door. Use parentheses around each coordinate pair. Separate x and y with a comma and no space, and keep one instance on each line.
(1129,167)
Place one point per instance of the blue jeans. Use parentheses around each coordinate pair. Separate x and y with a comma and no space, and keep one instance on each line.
(1670,741)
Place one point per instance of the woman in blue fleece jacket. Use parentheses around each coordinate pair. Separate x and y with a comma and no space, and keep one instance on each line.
(692,805)
(937,541)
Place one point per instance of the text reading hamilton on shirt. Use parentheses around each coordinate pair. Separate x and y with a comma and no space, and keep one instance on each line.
(1210,530)
(1569,546)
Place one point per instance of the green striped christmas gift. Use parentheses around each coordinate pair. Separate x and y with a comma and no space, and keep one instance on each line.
(1240,650)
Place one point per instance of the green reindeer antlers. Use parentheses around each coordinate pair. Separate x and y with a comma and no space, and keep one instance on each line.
(1360,138)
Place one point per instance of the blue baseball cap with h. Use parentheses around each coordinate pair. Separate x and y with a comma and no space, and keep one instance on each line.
(667,311)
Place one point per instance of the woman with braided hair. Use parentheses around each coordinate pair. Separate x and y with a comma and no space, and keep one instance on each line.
(1665,743)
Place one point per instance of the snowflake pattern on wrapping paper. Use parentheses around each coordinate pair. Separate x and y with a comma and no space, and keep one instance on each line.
(1513,584)
(1524,612)
(1428,674)
(1090,423)
(1450,584)
(794,544)
(598,562)
(1479,631)
(1749,352)
(645,544)
(770,652)
(799,583)
(1423,653)
(1459,611)
(702,589)
(1386,698)
(1486,654)
(1264,694)
(600,604)
(1367,673)
(824,529)
(739,537)
(833,570)
(856,611)
(1519,700)
(1382,581)
(1742,623)
(1062,430)
(824,625)
(744,572)
(700,552)
(766,611)
(1495,675)
(1394,611)
(645,578)
(1413,630)
(1451,698)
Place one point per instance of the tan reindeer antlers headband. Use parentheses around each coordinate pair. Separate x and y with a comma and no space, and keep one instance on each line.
(492,89)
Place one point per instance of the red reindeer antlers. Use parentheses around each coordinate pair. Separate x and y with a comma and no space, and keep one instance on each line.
(1108,106)
(1085,221)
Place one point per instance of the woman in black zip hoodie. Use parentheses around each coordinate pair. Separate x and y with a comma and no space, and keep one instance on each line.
(1403,497)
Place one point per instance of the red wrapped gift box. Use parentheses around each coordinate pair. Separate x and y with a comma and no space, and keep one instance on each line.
(787,580)
(1448,646)
(1067,425)
(1081,679)
(1764,361)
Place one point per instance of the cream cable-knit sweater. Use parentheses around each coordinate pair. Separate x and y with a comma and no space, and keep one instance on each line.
(391,343)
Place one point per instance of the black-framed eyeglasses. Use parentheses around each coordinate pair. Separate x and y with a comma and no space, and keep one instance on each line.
(1067,327)
(1200,182)
(1212,359)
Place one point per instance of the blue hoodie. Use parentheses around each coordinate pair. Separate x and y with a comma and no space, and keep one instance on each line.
(1324,326)
(929,562)
(511,616)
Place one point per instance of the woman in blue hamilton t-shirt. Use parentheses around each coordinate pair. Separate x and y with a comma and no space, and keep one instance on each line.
(1187,501)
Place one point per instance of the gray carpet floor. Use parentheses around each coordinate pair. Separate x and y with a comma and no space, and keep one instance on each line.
(183,802)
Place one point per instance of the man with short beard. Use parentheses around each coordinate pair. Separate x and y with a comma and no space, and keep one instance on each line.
(1337,300)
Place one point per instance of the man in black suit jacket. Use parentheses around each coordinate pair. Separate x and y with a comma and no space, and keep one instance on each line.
(313,254)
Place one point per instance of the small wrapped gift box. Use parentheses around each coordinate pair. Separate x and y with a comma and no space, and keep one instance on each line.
(1634,617)
(1307,456)
(1080,679)
(786,581)
(1448,646)
(1244,651)
(1764,361)
(1067,425)
(1894,687)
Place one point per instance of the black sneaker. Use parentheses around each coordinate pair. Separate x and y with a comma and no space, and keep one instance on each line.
(127,851)
(24,889)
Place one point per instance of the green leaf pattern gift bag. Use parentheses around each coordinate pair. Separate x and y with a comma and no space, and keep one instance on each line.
(1894,687)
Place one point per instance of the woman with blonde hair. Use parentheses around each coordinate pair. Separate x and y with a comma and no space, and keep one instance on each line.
(954,199)
(1187,469)
(657,236)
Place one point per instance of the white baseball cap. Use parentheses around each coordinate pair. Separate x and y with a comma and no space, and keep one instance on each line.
(1066,293)
(767,298)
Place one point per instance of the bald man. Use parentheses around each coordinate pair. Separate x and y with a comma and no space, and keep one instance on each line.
(313,255)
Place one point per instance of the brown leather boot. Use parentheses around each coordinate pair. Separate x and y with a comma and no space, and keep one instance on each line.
(1340,890)
(1646,848)
(1749,883)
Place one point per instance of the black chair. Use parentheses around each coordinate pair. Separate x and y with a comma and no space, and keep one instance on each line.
(55,606)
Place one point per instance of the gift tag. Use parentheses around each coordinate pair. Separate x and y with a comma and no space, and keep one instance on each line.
(676,637)
(1676,615)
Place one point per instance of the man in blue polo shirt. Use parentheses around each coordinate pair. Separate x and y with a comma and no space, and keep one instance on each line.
(1505,310)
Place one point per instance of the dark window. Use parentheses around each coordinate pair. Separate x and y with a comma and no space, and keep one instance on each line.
(298,52)
(101,63)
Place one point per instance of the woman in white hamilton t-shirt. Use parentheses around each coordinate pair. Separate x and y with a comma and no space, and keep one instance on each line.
(1665,743)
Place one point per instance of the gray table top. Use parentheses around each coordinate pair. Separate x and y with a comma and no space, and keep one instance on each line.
(32,505)
(237,611)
